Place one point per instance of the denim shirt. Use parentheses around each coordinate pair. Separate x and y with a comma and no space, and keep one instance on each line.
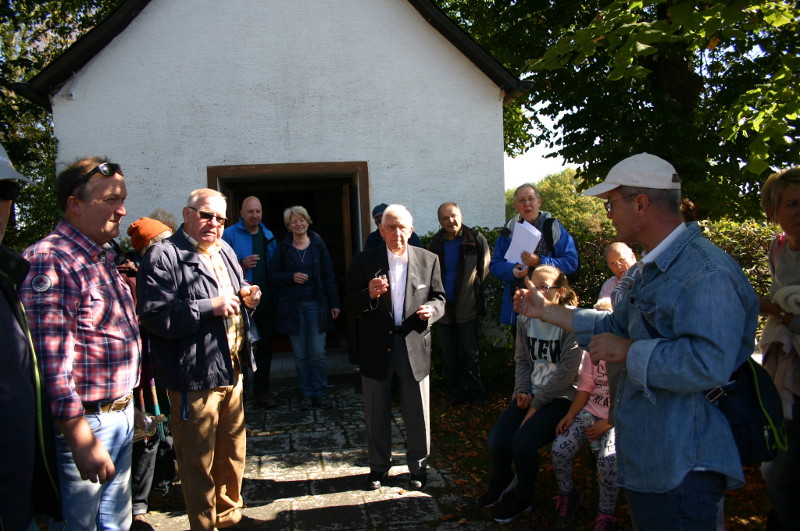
(704,312)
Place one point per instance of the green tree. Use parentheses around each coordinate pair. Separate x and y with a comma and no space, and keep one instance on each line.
(710,86)
(33,33)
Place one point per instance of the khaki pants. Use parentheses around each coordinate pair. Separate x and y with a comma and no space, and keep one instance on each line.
(210,449)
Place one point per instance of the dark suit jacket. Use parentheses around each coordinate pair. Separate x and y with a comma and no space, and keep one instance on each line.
(375,317)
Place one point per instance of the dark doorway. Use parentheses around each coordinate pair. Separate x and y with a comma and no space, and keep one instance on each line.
(335,195)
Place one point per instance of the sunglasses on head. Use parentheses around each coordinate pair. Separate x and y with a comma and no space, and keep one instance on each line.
(106,169)
(9,190)
(208,216)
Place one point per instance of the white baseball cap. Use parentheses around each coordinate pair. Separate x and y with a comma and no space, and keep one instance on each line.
(7,170)
(641,171)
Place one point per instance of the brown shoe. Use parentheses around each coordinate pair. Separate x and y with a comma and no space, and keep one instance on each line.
(248,523)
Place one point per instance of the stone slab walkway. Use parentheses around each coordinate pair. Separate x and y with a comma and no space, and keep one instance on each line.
(305,469)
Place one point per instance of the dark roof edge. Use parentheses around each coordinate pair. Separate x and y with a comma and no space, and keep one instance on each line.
(486,62)
(39,88)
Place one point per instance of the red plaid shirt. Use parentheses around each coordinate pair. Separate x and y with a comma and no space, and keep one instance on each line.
(82,319)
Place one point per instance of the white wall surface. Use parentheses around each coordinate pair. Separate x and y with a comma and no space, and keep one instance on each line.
(197,83)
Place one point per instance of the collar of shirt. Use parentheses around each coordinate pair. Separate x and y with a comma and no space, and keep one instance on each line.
(66,229)
(665,243)
(204,248)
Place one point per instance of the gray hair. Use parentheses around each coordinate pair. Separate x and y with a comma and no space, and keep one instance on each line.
(197,195)
(668,200)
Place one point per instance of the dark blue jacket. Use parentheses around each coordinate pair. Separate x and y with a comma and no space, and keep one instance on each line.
(287,309)
(189,343)
(27,459)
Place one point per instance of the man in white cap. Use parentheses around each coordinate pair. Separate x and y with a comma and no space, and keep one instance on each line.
(687,321)
(27,462)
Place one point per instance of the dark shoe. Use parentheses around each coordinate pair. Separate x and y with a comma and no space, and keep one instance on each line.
(566,506)
(248,523)
(418,482)
(264,400)
(374,480)
(476,401)
(510,506)
(305,403)
(324,402)
(140,523)
(495,492)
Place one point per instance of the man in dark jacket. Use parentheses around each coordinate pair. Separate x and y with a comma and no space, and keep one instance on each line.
(464,257)
(192,299)
(28,477)
(396,292)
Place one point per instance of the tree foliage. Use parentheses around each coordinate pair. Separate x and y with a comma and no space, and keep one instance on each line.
(32,34)
(709,86)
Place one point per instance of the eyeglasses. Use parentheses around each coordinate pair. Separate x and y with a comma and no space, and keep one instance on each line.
(9,189)
(609,205)
(545,289)
(106,169)
(208,216)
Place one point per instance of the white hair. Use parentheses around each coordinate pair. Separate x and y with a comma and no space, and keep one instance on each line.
(399,212)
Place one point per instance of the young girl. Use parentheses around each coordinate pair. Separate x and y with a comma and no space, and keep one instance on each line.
(547,360)
(573,432)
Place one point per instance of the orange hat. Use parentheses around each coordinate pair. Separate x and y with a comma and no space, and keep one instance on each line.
(143,230)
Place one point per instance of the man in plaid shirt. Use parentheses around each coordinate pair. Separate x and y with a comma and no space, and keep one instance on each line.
(84,327)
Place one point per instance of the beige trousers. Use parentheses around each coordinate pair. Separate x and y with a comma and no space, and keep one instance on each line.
(210,449)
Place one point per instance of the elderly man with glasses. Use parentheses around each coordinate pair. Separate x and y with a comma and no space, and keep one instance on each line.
(194,302)
(84,328)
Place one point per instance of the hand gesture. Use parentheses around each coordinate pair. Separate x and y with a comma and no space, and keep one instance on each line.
(251,295)
(225,305)
(609,347)
(529,302)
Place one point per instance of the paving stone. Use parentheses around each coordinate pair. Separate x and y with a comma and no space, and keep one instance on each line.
(306,470)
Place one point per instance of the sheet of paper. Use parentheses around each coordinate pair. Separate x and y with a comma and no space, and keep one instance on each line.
(524,238)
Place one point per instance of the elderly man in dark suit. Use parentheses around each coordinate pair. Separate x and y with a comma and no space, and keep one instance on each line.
(396,291)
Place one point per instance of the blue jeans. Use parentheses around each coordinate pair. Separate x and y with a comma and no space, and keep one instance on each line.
(509,443)
(89,505)
(459,346)
(309,352)
(692,505)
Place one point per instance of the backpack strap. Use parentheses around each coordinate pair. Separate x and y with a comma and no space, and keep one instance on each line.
(547,232)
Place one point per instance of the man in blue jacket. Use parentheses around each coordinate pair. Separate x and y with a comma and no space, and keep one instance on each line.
(193,301)
(255,245)
(563,254)
(686,321)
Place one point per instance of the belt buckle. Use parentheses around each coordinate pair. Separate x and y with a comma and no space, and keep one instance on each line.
(712,395)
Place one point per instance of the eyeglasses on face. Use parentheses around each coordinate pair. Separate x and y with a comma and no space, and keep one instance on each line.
(208,216)
(107,169)
(609,204)
(545,289)
(9,189)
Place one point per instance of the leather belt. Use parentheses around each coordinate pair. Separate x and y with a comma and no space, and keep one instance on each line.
(107,406)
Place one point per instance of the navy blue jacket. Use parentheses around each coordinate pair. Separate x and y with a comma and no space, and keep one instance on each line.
(190,344)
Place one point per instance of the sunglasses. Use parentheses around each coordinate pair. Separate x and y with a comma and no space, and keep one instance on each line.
(9,190)
(208,216)
(106,169)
